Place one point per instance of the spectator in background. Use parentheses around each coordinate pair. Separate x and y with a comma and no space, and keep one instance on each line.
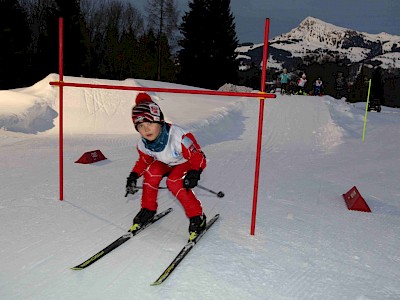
(340,85)
(318,86)
(301,83)
(285,77)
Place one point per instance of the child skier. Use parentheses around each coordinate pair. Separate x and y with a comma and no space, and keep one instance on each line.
(301,84)
(165,150)
(318,86)
(285,77)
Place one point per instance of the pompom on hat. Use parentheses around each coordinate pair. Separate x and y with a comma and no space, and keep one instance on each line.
(143,97)
(146,110)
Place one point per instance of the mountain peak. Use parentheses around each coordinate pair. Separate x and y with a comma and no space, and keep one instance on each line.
(318,38)
(311,20)
(312,30)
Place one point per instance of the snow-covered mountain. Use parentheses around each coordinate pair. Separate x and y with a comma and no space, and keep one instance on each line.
(314,40)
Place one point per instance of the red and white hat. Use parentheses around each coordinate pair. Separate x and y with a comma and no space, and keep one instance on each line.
(146,110)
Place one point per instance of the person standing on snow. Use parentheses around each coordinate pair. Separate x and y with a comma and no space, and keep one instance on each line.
(318,86)
(301,84)
(285,77)
(165,150)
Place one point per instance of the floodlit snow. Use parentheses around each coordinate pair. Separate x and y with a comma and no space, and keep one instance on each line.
(307,244)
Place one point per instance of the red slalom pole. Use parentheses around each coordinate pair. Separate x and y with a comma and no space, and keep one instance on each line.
(163,90)
(61,91)
(260,127)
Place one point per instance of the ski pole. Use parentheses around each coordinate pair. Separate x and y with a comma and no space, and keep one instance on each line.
(219,194)
(160,187)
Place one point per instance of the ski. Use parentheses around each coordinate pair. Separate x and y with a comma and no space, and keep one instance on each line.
(185,250)
(118,242)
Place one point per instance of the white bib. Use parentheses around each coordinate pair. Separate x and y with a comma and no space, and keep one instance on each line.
(172,153)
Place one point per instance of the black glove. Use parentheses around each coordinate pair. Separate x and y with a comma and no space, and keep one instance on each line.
(191,179)
(131,183)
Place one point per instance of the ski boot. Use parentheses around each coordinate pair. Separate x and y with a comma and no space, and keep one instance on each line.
(144,216)
(196,226)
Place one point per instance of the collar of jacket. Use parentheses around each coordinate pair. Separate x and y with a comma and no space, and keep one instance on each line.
(160,142)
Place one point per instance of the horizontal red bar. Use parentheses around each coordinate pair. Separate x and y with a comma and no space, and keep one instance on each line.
(164,90)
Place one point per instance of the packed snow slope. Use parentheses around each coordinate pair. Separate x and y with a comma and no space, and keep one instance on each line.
(307,244)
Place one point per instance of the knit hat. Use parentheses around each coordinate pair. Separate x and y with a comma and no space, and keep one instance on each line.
(146,110)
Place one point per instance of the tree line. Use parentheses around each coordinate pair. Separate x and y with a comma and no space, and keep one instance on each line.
(112,39)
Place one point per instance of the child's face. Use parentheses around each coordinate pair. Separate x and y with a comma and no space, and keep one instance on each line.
(149,131)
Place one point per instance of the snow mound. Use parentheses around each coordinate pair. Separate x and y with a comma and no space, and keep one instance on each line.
(31,109)
(228,87)
(297,121)
(99,111)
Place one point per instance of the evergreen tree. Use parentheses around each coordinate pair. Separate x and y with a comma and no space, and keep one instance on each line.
(96,18)
(132,29)
(166,66)
(44,25)
(76,42)
(163,19)
(44,22)
(359,90)
(147,59)
(111,41)
(207,58)
(15,41)
(114,30)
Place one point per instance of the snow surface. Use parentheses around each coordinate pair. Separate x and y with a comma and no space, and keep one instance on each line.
(307,244)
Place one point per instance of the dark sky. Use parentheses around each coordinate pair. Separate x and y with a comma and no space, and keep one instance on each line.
(372,16)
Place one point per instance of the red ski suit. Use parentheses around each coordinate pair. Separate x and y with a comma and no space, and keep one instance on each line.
(181,154)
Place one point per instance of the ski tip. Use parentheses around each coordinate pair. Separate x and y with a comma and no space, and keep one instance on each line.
(155,283)
(76,268)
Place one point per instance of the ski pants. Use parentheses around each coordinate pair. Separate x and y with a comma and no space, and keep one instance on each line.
(175,176)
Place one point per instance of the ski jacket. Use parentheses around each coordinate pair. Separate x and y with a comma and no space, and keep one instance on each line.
(318,83)
(284,77)
(301,82)
(181,147)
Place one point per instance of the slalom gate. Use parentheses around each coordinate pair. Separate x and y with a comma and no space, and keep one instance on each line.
(262,95)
